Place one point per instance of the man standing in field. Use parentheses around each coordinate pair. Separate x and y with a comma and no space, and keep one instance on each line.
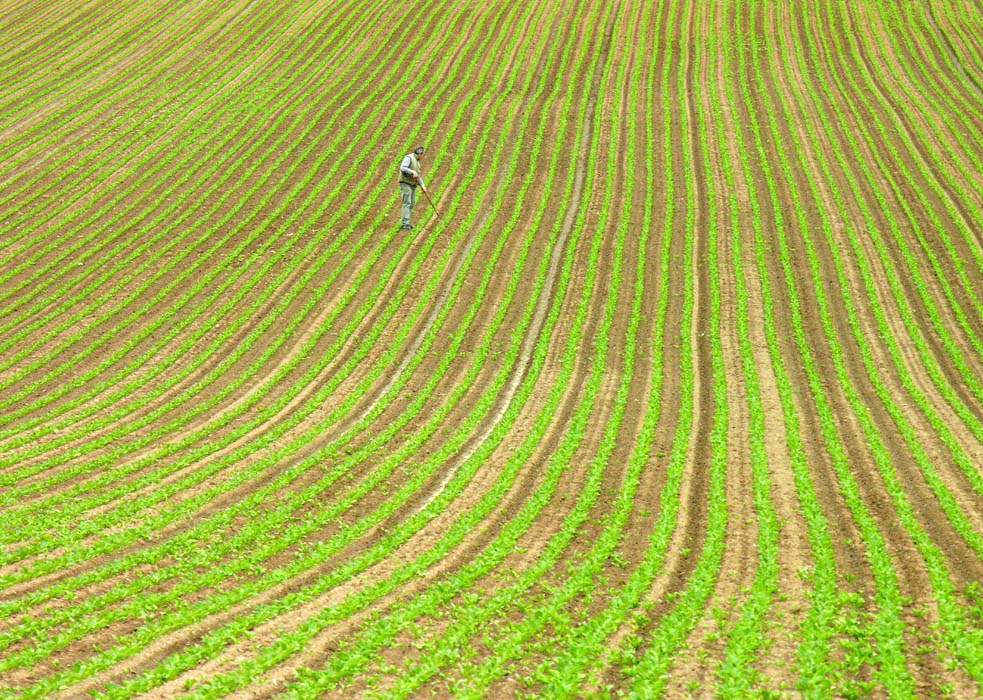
(409,179)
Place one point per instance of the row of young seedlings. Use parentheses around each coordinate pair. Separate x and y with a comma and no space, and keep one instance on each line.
(170,225)
(246,673)
(918,397)
(887,631)
(886,638)
(954,618)
(938,315)
(54,40)
(515,642)
(739,671)
(913,269)
(471,611)
(182,398)
(585,654)
(322,263)
(944,187)
(78,160)
(815,648)
(817,628)
(774,354)
(957,118)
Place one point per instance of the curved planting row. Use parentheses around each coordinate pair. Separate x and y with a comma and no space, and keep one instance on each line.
(680,393)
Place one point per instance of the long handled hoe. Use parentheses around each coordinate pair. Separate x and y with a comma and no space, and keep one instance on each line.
(427,195)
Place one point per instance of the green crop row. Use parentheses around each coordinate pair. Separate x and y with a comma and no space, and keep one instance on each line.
(817,628)
(468,610)
(746,639)
(306,250)
(933,558)
(512,641)
(699,276)
(886,633)
(80,159)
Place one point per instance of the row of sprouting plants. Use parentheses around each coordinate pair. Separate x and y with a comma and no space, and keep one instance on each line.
(120,465)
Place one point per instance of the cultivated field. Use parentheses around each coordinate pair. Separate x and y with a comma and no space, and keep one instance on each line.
(680,393)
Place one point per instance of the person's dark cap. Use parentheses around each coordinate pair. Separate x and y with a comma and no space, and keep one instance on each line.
(419,149)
